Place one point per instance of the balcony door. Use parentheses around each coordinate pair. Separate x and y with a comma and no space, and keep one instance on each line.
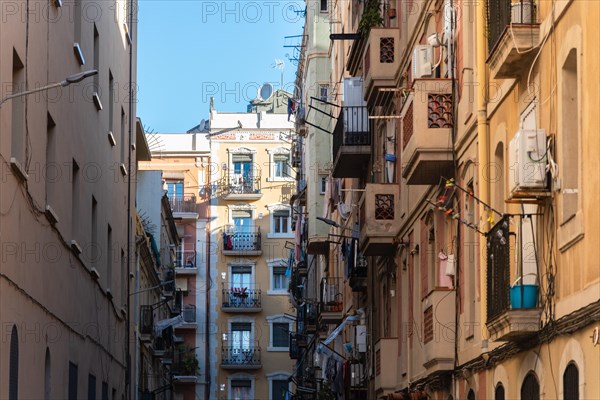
(243,224)
(241,342)
(241,176)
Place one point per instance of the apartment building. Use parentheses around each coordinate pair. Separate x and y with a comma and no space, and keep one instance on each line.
(455,211)
(251,227)
(180,166)
(67,155)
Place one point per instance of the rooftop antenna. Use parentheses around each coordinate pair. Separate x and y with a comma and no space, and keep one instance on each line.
(280,65)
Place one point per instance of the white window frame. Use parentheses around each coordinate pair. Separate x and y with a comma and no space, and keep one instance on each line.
(278,207)
(325,86)
(277,376)
(232,265)
(275,319)
(326,7)
(242,377)
(276,262)
(272,153)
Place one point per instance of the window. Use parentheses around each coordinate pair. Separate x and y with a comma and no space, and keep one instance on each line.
(13,368)
(240,339)
(241,389)
(75,188)
(280,280)
(322,184)
(91,387)
(323,92)
(279,327)
(281,221)
(279,389)
(499,393)
(104,391)
(47,376)
(241,276)
(52,170)
(281,334)
(571,382)
(174,189)
(72,381)
(279,385)
(18,111)
(530,389)
(471,395)
(281,164)
(324,5)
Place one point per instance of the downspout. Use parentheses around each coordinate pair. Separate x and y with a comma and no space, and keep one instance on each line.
(136,299)
(483,151)
(207,313)
(128,177)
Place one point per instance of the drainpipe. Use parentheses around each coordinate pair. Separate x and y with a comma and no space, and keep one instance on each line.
(483,151)
(207,312)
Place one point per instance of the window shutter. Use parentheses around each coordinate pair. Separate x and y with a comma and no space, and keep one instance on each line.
(281,213)
(241,383)
(281,157)
(241,157)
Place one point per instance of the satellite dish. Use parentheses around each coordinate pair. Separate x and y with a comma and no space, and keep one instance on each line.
(265,91)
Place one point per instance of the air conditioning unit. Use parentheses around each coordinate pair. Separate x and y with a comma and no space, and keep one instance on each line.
(422,61)
(527,161)
(353,92)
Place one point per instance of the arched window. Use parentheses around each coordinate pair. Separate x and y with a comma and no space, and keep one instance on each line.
(571,382)
(499,392)
(47,376)
(471,395)
(530,390)
(13,370)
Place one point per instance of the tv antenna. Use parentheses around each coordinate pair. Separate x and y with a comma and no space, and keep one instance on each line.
(280,65)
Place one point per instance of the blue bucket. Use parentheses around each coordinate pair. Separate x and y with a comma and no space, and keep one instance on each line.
(530,296)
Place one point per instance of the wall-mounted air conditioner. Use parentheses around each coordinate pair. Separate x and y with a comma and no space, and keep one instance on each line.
(422,61)
(353,92)
(527,161)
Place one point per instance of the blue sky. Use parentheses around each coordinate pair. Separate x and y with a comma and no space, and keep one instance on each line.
(190,50)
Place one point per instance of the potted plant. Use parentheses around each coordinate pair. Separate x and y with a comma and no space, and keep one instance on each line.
(371,16)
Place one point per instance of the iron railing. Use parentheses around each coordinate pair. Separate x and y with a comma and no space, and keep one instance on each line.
(331,295)
(241,297)
(242,241)
(188,313)
(501,13)
(185,259)
(146,320)
(241,184)
(352,128)
(240,355)
(185,204)
(498,269)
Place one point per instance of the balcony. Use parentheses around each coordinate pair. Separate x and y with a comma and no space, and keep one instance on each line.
(241,356)
(186,263)
(379,210)
(184,207)
(240,299)
(241,187)
(146,323)
(427,122)
(356,265)
(295,351)
(188,313)
(307,318)
(358,380)
(242,243)
(386,364)
(168,283)
(331,307)
(438,330)
(159,347)
(381,63)
(511,316)
(513,32)
(185,366)
(351,143)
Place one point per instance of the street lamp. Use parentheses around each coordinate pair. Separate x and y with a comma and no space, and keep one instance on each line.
(68,80)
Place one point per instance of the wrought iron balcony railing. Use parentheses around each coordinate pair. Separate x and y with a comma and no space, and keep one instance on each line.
(241,184)
(188,313)
(244,297)
(498,269)
(242,241)
(241,355)
(502,13)
(183,204)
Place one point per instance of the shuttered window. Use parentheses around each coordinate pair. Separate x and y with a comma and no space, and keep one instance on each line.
(530,389)
(72,382)
(571,382)
(13,369)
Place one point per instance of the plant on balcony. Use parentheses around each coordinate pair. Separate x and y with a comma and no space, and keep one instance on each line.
(326,393)
(371,16)
(188,362)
